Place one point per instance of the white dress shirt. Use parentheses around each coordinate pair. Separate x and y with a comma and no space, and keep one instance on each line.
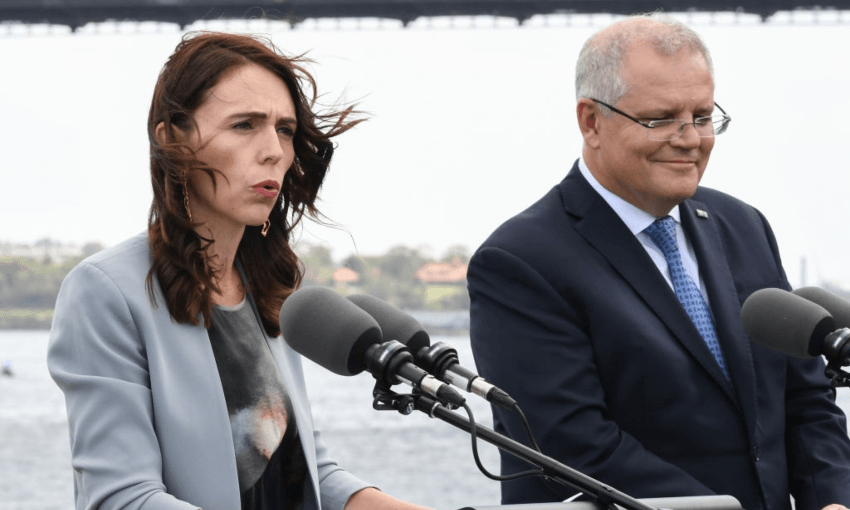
(637,220)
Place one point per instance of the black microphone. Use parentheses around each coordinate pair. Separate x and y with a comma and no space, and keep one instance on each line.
(791,324)
(439,359)
(336,334)
(838,307)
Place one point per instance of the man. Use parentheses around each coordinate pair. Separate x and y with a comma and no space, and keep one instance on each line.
(577,304)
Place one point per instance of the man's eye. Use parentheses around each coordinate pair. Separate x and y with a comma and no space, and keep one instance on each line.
(245,124)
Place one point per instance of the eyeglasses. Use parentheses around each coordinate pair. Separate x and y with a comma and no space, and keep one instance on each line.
(669,129)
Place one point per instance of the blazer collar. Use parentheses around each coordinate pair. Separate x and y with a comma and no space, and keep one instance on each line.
(604,230)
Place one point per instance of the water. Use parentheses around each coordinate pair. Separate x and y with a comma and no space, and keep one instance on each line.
(412,457)
(35,456)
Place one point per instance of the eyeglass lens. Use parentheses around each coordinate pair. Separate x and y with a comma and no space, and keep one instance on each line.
(672,129)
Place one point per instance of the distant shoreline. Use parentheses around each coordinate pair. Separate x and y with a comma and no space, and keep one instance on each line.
(439,322)
(23,318)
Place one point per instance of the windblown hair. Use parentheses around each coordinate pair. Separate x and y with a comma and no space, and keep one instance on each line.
(600,61)
(182,263)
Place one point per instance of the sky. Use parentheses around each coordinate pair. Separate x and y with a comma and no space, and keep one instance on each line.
(471,120)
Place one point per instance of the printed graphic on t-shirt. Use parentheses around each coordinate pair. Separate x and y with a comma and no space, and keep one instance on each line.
(255,396)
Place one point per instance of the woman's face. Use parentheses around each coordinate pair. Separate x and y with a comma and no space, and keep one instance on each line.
(245,131)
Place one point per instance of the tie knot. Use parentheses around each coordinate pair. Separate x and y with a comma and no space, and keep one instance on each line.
(663,234)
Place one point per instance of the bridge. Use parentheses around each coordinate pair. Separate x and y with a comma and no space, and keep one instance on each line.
(76,13)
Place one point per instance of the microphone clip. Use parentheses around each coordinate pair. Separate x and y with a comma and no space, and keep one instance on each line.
(387,400)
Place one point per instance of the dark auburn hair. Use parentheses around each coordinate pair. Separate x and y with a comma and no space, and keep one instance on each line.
(181,260)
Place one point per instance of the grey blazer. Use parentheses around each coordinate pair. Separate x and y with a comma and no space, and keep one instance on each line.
(146,411)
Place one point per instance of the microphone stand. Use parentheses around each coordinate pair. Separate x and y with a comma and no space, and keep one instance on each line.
(839,378)
(836,349)
(385,399)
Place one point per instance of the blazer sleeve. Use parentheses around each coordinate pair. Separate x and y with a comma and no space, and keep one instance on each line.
(97,358)
(336,485)
(531,341)
(816,439)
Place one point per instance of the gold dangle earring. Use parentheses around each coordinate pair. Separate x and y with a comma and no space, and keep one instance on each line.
(266,225)
(186,201)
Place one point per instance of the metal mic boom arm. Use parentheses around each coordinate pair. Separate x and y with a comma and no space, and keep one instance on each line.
(603,494)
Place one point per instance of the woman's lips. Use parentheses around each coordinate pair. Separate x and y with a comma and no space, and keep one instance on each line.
(268,189)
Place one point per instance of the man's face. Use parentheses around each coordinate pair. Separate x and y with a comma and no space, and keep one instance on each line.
(656,176)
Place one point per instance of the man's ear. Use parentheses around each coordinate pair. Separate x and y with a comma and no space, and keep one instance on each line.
(588,114)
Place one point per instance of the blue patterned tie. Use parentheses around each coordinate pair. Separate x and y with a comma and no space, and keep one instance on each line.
(663,234)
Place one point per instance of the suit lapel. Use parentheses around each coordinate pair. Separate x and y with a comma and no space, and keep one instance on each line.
(603,229)
(700,225)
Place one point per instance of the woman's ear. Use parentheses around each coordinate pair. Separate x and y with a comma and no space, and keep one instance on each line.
(159,133)
(162,135)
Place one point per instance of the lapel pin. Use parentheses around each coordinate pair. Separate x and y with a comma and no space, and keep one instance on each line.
(702,214)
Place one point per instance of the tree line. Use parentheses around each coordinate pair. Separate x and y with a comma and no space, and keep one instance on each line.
(391,276)
(29,287)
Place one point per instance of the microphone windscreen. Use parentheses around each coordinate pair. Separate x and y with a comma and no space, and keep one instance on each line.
(394,323)
(779,320)
(327,329)
(837,307)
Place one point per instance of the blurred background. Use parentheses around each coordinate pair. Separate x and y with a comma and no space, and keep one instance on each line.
(471,120)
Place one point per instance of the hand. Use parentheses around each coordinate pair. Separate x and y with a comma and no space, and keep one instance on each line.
(834,506)
(371,498)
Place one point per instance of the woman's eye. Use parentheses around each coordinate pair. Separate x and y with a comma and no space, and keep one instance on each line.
(286,131)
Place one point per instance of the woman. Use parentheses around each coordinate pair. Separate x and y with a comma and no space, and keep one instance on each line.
(179,390)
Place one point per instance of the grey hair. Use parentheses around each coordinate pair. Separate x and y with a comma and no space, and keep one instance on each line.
(600,61)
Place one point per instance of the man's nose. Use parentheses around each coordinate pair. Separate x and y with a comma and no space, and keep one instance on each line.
(688,136)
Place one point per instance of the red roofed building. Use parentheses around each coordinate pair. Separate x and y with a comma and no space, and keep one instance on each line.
(345,275)
(442,272)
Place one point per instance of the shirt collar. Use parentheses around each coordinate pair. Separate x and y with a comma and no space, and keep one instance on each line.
(635,218)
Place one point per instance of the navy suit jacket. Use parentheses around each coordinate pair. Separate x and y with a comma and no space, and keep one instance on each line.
(571,317)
